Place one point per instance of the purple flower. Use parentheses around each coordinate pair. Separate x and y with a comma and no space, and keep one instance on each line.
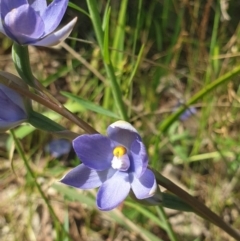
(116,163)
(33,22)
(12,105)
(188,113)
(58,147)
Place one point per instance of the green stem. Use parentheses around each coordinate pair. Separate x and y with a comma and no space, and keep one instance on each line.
(31,173)
(168,226)
(199,208)
(117,95)
(204,91)
(22,64)
(20,56)
(21,61)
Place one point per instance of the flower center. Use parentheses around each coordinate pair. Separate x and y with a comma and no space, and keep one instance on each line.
(120,159)
(119,151)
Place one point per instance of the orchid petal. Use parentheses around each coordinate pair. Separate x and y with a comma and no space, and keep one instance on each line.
(95,151)
(38,5)
(58,147)
(13,112)
(1,27)
(7,6)
(86,178)
(123,133)
(6,125)
(57,36)
(145,186)
(13,96)
(53,14)
(11,116)
(13,106)
(21,22)
(113,191)
(139,158)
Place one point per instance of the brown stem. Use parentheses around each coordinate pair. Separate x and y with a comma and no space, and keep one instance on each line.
(200,208)
(53,106)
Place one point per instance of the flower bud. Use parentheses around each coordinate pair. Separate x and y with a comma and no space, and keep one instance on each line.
(13,106)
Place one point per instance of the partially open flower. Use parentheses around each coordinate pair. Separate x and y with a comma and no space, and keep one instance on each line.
(116,164)
(32,22)
(13,106)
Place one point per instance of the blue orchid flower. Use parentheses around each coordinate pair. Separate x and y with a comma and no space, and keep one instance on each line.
(188,113)
(117,163)
(13,106)
(32,22)
(58,147)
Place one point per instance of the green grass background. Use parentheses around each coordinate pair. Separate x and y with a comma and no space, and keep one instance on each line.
(159,52)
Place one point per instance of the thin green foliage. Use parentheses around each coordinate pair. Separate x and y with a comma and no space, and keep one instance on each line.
(92,5)
(61,231)
(90,105)
(148,56)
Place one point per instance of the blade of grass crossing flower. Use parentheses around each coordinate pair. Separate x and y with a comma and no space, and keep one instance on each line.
(90,106)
